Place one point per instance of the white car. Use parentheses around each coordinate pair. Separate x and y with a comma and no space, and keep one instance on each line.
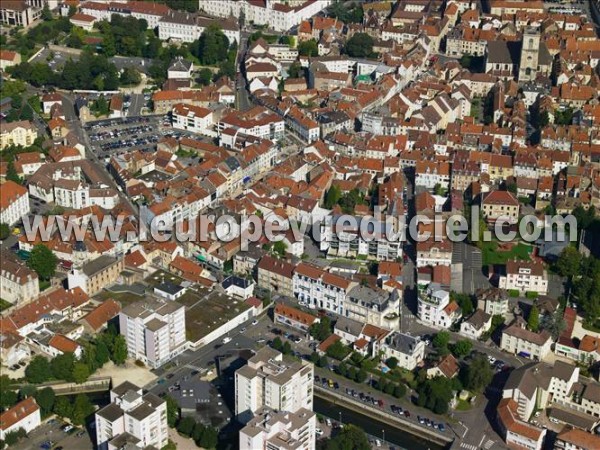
(319,432)
(255,322)
(377,443)
(491,359)
(226,340)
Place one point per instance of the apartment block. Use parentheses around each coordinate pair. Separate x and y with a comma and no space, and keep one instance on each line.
(435,307)
(277,430)
(154,330)
(95,275)
(21,132)
(132,420)
(14,203)
(18,283)
(276,275)
(408,350)
(518,340)
(525,276)
(269,381)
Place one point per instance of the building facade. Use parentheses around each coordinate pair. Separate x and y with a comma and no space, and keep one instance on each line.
(271,429)
(132,419)
(154,331)
(269,381)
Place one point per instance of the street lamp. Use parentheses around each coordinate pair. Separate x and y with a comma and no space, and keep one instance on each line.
(383,431)
(340,418)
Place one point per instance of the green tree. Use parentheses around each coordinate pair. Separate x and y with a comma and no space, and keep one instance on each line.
(63,407)
(38,370)
(314,357)
(342,369)
(465,302)
(295,70)
(212,46)
(11,173)
(338,350)
(308,48)
(435,394)
(199,430)
(205,76)
(360,45)
(46,13)
(277,344)
(286,349)
(477,375)
(441,340)
(186,426)
(321,330)
(392,362)
(332,196)
(462,348)
(81,372)
(4,231)
(102,353)
(399,390)
(361,376)
(119,353)
(210,438)
(62,366)
(349,438)
(26,391)
(45,399)
(323,362)
(82,408)
(12,437)
(130,77)
(533,321)
(172,411)
(280,248)
(568,263)
(43,261)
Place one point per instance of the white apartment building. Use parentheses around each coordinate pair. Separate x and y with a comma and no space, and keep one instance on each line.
(276,14)
(518,340)
(267,381)
(435,308)
(476,325)
(25,415)
(154,331)
(193,118)
(14,203)
(258,122)
(408,350)
(432,253)
(187,27)
(150,12)
(78,194)
(378,243)
(18,283)
(320,289)
(525,276)
(280,430)
(132,420)
(21,132)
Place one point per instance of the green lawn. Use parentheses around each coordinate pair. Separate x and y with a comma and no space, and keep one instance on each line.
(491,255)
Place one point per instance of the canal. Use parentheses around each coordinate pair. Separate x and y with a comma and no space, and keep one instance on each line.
(373,427)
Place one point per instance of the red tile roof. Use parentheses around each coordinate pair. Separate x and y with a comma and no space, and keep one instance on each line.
(63,343)
(18,412)
(98,317)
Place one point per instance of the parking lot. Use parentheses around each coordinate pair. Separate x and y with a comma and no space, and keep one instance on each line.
(109,136)
(50,435)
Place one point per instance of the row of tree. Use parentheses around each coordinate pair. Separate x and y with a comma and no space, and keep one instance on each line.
(105,347)
(89,72)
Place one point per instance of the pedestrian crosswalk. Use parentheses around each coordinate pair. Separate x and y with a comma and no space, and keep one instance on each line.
(488,445)
(468,446)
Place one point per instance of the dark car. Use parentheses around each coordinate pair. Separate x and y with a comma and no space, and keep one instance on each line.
(407,413)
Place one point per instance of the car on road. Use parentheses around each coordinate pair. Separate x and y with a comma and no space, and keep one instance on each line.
(243,330)
(255,322)
(226,340)
(67,428)
(441,427)
(330,383)
(47,445)
(297,340)
(336,385)
(406,413)
(328,422)
(81,433)
(319,432)
(169,376)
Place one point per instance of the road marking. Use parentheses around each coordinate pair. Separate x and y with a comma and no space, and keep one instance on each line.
(468,446)
(488,444)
